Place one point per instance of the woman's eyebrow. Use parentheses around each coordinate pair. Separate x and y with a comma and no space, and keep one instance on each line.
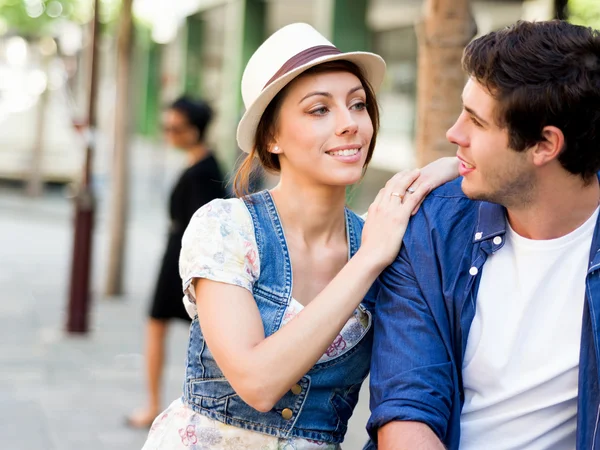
(327,94)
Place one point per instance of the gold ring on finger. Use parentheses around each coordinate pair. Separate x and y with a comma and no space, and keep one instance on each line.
(397,194)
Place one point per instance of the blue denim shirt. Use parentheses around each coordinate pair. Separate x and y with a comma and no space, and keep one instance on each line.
(424,310)
(323,400)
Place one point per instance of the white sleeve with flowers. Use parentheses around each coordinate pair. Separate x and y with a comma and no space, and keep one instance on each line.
(219,245)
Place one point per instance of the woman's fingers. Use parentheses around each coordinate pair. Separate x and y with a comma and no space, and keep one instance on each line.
(396,187)
(402,189)
(413,200)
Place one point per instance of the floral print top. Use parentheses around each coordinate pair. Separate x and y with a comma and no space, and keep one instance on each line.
(219,245)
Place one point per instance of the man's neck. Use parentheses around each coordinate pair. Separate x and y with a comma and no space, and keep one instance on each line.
(560,205)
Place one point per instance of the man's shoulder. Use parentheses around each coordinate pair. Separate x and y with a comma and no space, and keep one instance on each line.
(447,212)
(452,189)
(448,199)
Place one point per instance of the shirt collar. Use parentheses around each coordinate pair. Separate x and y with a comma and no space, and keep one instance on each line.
(491,221)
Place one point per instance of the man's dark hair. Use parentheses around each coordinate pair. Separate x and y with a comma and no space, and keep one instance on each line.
(198,113)
(542,74)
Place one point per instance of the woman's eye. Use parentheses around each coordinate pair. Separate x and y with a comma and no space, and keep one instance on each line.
(359,106)
(319,111)
(475,121)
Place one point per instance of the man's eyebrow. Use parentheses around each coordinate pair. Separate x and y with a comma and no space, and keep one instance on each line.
(327,94)
(474,114)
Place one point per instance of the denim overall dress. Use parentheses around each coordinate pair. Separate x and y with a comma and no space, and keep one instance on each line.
(319,405)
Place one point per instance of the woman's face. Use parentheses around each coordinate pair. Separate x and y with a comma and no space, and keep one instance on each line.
(178,131)
(323,129)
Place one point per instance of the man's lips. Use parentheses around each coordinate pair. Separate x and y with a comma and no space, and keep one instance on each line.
(464,168)
(464,163)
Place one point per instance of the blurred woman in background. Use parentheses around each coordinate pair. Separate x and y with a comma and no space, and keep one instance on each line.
(185,125)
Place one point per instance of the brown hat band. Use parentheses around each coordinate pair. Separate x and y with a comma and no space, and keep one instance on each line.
(302,58)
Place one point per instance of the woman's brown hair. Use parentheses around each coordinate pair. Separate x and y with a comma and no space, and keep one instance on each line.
(266,127)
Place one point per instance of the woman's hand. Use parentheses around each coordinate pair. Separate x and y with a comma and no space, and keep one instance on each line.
(388,217)
(437,173)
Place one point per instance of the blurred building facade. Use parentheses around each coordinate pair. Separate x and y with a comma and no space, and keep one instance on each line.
(208,53)
(201,46)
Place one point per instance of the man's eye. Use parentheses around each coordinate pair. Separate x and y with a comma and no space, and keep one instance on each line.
(475,121)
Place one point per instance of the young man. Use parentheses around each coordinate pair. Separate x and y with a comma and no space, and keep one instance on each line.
(487,328)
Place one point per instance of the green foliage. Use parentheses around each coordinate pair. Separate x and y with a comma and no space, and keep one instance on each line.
(34,18)
(584,12)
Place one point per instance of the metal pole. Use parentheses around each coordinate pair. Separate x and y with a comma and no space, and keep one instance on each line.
(79,295)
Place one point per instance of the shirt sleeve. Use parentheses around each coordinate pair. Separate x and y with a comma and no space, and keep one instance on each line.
(411,373)
(218,245)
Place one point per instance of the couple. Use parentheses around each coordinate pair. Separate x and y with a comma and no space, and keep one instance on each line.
(478,319)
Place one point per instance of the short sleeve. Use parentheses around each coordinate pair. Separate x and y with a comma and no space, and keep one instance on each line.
(219,245)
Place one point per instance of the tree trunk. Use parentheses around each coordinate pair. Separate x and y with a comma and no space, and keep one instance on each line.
(560,9)
(119,197)
(447,27)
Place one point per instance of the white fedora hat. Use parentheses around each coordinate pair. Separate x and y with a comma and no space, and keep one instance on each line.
(282,57)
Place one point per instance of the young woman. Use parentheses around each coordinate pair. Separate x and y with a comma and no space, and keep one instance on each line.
(279,290)
(185,124)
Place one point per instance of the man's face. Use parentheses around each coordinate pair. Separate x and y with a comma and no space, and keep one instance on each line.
(491,170)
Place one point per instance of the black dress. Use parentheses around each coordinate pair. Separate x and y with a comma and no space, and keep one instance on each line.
(198,185)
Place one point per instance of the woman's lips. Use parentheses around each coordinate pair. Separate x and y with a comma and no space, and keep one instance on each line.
(346,155)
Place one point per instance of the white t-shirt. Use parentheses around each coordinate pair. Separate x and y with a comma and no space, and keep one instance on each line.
(521,365)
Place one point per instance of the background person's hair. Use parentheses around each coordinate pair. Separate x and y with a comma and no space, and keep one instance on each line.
(198,113)
(266,128)
(542,74)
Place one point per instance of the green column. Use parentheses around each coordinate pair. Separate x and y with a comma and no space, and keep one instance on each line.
(147,83)
(253,34)
(193,60)
(349,30)
(244,32)
(140,76)
(153,106)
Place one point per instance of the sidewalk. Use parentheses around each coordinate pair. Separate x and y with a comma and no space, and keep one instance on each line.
(64,392)
(67,392)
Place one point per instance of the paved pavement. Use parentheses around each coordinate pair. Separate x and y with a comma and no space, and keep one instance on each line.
(64,392)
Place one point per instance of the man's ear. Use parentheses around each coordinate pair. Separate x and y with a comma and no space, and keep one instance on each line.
(550,147)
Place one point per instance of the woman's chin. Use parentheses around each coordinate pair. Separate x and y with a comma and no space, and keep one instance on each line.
(344,179)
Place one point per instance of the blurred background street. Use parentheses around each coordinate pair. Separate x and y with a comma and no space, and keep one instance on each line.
(71,387)
(72,392)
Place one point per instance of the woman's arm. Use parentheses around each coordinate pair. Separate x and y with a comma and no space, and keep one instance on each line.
(437,173)
(434,174)
(440,171)
(262,370)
